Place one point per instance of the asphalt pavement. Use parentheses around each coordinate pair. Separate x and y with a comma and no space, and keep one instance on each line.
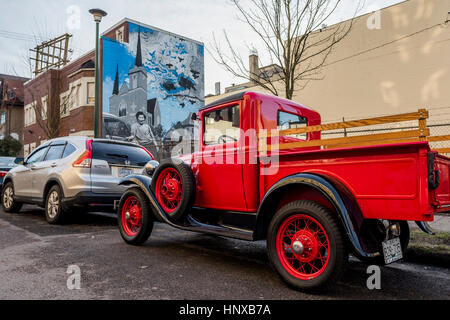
(35,258)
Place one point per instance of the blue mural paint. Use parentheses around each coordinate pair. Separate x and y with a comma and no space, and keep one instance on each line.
(151,86)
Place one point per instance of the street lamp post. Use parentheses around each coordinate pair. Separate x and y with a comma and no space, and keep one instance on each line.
(98,15)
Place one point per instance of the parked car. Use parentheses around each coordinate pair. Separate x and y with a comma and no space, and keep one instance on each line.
(115,128)
(72,172)
(6,164)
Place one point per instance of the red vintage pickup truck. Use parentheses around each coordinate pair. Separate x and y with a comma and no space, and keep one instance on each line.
(313,206)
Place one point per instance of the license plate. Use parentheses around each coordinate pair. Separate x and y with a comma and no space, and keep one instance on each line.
(392,250)
(121,172)
(125,172)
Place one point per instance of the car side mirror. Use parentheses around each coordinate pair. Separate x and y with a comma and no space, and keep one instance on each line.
(194,117)
(19,161)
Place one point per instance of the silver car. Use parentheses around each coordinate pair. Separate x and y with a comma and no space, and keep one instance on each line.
(72,172)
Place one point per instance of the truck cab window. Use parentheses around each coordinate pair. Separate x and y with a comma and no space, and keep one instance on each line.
(222,126)
(287,121)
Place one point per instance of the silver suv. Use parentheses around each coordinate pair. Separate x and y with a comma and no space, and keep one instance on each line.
(70,172)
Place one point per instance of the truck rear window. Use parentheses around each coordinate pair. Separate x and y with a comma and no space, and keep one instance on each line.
(287,121)
(120,154)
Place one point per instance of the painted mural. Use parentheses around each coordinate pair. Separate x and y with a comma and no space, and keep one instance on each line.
(151,87)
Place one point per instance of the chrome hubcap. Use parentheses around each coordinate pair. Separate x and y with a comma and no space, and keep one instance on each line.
(53,204)
(297,247)
(8,197)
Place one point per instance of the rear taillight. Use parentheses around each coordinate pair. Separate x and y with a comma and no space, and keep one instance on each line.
(3,173)
(151,156)
(85,160)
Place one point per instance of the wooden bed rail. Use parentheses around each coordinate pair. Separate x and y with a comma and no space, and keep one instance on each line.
(422,133)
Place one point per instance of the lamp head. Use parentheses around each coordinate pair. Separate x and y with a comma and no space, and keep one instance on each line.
(98,14)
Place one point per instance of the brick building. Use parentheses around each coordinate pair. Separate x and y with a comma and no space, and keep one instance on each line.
(72,88)
(11,106)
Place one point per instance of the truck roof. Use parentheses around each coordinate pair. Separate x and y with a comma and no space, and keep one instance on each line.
(240,96)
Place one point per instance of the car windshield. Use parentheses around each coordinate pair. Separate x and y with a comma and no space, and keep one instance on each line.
(7,162)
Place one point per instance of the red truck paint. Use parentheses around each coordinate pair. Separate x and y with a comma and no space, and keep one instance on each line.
(388,181)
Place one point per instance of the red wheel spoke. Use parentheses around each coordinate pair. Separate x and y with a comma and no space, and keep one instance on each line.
(312,255)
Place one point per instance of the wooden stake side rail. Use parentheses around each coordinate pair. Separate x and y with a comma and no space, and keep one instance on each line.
(422,114)
(422,133)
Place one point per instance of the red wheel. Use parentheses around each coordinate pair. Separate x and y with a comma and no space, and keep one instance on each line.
(173,184)
(169,189)
(303,247)
(134,217)
(131,216)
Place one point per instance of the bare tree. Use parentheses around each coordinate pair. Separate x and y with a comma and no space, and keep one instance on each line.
(293,33)
(49,107)
(49,102)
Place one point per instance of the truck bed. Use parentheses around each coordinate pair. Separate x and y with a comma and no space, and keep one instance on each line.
(388,181)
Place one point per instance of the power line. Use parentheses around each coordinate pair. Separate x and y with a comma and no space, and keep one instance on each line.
(386,44)
(19,36)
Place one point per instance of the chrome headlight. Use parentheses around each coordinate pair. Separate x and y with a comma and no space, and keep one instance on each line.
(150,167)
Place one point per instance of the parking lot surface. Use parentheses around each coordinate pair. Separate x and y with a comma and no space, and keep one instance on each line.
(173,264)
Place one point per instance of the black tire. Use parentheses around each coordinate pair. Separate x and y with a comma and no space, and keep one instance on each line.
(8,203)
(334,253)
(55,212)
(375,239)
(147,219)
(187,186)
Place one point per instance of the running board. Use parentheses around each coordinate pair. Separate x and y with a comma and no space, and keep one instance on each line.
(191,224)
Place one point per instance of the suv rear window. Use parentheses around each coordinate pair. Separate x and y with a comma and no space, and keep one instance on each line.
(120,154)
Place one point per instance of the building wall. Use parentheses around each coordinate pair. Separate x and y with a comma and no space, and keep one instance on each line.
(76,91)
(153,72)
(403,76)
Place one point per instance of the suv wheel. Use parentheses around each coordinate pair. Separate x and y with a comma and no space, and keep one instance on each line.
(54,212)
(8,202)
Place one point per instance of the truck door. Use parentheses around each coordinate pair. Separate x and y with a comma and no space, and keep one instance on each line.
(220,182)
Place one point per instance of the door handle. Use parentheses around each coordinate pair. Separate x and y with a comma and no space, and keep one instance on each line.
(53,164)
(33,167)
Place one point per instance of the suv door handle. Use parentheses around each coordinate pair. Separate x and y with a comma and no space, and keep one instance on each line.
(33,167)
(53,164)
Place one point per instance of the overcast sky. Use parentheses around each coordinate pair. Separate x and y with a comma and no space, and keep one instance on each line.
(22,20)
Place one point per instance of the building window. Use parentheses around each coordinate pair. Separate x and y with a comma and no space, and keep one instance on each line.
(65,106)
(32,146)
(91,93)
(26,150)
(44,108)
(119,34)
(122,110)
(30,115)
(3,118)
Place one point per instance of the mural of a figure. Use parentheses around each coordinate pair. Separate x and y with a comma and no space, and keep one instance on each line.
(162,87)
(142,134)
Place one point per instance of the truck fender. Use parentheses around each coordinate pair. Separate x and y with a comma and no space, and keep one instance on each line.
(144,183)
(336,193)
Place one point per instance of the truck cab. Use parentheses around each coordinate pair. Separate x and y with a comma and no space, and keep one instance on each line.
(228,146)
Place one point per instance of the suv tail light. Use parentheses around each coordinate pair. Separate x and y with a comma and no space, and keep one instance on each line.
(3,173)
(85,160)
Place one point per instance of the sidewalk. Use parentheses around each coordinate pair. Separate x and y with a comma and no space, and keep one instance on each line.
(441,223)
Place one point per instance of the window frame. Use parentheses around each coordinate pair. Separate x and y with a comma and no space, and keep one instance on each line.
(306,138)
(237,104)
(36,151)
